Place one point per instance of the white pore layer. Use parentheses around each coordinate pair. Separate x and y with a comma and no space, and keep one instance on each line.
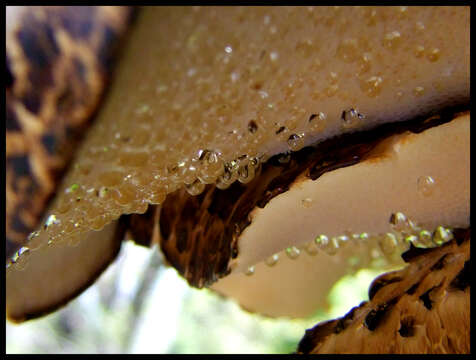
(358,199)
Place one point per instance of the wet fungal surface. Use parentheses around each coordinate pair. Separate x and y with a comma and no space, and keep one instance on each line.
(198,90)
(207,226)
(217,113)
(432,318)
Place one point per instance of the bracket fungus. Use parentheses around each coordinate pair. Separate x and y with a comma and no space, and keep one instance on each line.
(292,144)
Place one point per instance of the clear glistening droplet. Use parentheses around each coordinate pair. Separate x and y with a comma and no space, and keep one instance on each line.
(293,252)
(272,260)
(425,185)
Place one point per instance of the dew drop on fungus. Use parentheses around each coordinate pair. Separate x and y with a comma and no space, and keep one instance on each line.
(347,50)
(293,252)
(307,202)
(195,188)
(398,222)
(425,185)
(296,142)
(33,241)
(441,235)
(392,39)
(434,55)
(272,260)
(322,241)
(419,91)
(388,243)
(424,238)
(419,51)
(311,248)
(332,247)
(250,271)
(371,86)
(351,118)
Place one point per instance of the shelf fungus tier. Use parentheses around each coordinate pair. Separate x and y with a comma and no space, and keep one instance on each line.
(423,308)
(266,106)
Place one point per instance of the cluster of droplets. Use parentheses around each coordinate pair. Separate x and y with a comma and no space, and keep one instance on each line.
(387,245)
(210,95)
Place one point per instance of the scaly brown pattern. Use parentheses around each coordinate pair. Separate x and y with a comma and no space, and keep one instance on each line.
(57,62)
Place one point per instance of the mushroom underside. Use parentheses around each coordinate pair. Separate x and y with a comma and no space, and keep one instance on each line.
(57,274)
(289,205)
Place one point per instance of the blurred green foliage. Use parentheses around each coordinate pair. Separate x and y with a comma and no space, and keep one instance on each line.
(104,320)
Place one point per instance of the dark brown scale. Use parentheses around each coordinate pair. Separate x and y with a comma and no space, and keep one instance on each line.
(380,283)
(462,280)
(407,327)
(376,316)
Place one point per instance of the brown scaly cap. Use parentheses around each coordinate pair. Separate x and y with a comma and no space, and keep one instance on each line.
(57,61)
(423,308)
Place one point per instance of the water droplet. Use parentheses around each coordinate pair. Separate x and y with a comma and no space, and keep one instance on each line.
(434,55)
(158,196)
(321,241)
(364,236)
(371,86)
(195,188)
(293,252)
(250,271)
(20,259)
(365,63)
(72,188)
(246,173)
(343,240)
(388,243)
(103,191)
(318,121)
(391,40)
(419,91)
(441,235)
(420,26)
(348,50)
(332,247)
(234,76)
(307,202)
(296,142)
(413,239)
(52,220)
(424,238)
(272,260)
(425,185)
(351,118)
(228,49)
(273,56)
(311,248)
(398,222)
(419,51)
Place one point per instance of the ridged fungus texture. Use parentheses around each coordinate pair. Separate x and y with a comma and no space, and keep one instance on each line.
(414,310)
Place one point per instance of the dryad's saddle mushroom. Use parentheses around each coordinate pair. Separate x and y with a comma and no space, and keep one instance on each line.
(270,151)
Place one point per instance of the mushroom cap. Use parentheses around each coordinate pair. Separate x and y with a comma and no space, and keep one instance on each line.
(221,90)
